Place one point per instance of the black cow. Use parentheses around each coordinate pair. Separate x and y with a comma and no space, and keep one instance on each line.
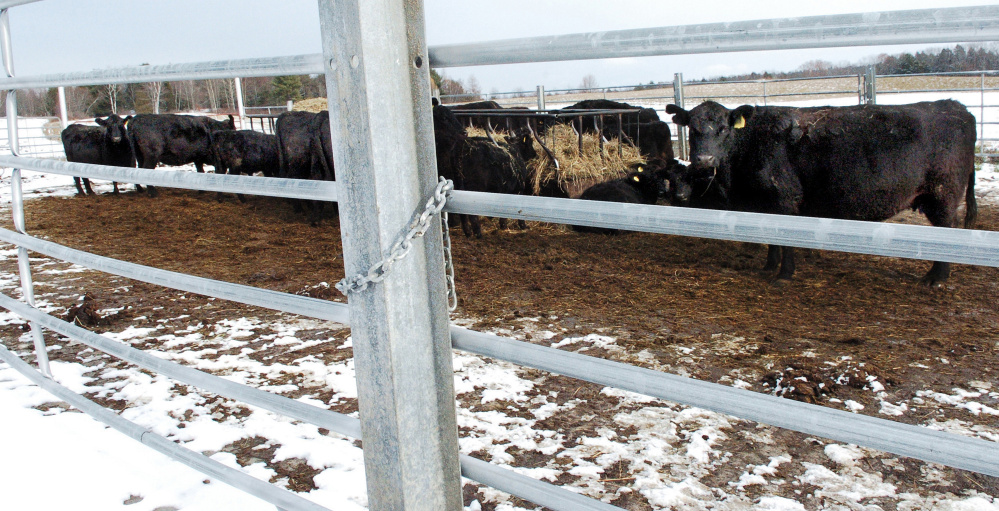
(591,123)
(305,151)
(106,144)
(480,121)
(639,187)
(864,162)
(244,152)
(643,129)
(478,164)
(174,139)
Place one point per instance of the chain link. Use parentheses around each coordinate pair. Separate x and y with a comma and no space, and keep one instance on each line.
(417,228)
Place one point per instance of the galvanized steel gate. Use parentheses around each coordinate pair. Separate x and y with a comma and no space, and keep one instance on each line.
(377,67)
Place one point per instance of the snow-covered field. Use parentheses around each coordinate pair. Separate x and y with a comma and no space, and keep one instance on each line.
(56,458)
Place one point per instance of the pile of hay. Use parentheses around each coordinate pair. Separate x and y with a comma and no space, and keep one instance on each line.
(314,105)
(577,171)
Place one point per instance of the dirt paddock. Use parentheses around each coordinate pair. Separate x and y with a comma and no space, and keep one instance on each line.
(694,307)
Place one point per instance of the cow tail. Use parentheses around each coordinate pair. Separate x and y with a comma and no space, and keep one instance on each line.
(970,203)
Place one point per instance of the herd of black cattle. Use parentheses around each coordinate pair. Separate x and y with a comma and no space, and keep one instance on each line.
(866,162)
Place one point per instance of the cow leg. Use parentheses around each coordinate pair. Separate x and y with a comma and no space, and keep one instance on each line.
(316,212)
(940,213)
(115,184)
(502,223)
(79,188)
(476,225)
(86,186)
(466,225)
(786,263)
(773,259)
(522,225)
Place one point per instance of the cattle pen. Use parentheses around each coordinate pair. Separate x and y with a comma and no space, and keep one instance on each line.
(398,311)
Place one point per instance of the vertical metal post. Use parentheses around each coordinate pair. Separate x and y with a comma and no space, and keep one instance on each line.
(981,120)
(681,131)
(378,84)
(17,197)
(870,88)
(240,109)
(764,93)
(63,114)
(860,89)
(541,97)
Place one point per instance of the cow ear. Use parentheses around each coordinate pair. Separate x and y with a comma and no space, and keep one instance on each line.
(100,121)
(126,119)
(739,116)
(681,117)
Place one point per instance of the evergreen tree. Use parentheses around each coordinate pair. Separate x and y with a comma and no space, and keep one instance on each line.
(286,88)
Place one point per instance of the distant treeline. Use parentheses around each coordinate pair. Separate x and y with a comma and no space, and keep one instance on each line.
(930,61)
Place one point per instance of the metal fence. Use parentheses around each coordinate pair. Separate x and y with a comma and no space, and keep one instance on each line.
(975,89)
(400,330)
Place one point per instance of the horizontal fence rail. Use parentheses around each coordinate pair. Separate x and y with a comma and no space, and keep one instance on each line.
(271,66)
(956,24)
(503,479)
(282,498)
(249,295)
(885,435)
(267,186)
(886,239)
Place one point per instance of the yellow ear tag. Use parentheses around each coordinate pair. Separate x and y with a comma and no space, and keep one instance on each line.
(641,169)
(740,123)
(635,179)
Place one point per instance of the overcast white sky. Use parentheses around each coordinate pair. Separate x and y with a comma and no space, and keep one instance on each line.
(80,35)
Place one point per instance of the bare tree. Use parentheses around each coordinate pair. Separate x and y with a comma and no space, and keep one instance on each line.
(212,88)
(589,82)
(155,92)
(816,68)
(111,90)
(473,87)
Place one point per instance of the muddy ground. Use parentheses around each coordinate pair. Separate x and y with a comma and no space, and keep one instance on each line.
(694,307)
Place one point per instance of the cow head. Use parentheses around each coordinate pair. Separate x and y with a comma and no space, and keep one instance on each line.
(651,179)
(523,140)
(713,131)
(114,127)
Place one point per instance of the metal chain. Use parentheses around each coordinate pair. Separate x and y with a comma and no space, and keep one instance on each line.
(417,228)
(452,292)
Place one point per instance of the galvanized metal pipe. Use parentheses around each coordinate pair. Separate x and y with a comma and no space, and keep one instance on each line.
(295,304)
(923,26)
(6,4)
(17,197)
(271,66)
(266,186)
(957,451)
(548,495)
(877,238)
(378,85)
(282,498)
